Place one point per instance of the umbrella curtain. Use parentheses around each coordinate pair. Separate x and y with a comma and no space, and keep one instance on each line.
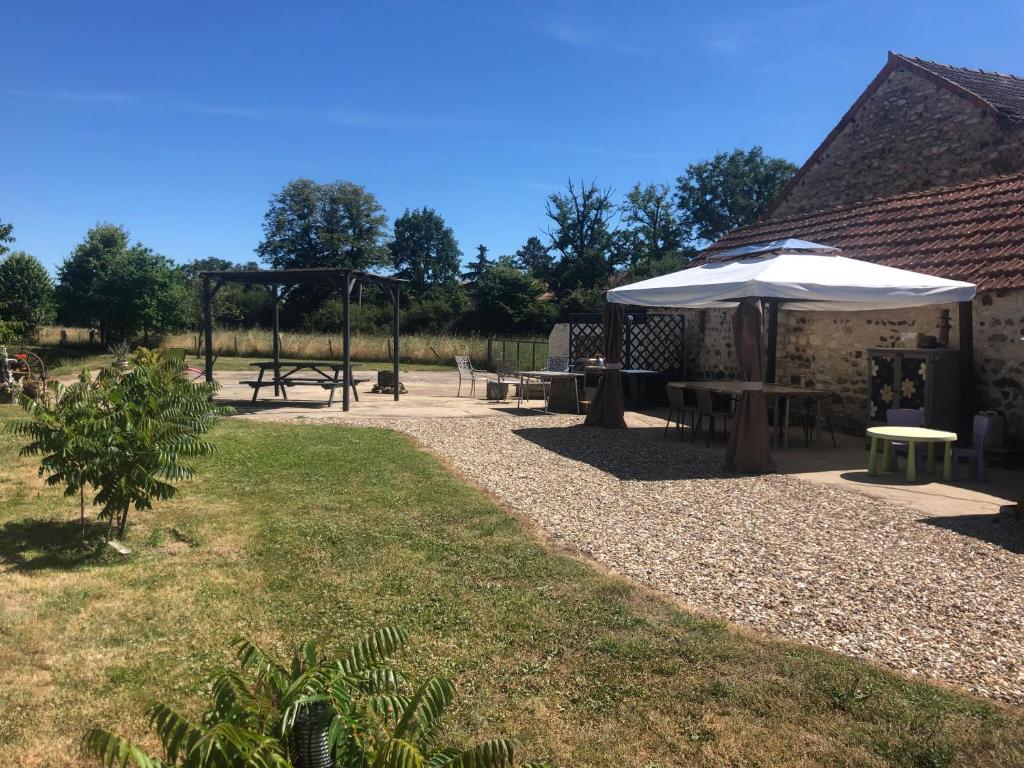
(608,404)
(748,444)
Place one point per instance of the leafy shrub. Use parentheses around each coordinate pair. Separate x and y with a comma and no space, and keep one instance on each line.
(358,711)
(126,434)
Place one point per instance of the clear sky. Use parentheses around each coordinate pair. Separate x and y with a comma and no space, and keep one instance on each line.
(179,120)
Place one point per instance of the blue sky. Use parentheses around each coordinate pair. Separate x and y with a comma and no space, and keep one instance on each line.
(179,120)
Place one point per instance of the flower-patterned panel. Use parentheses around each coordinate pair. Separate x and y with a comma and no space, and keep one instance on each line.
(882,395)
(912,382)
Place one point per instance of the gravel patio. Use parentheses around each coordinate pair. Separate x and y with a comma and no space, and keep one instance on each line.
(810,562)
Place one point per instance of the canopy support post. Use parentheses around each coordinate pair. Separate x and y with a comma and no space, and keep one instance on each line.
(208,328)
(346,342)
(395,336)
(209,291)
(966,323)
(275,297)
(773,340)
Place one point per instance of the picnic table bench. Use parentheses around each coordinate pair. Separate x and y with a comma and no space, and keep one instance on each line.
(327,375)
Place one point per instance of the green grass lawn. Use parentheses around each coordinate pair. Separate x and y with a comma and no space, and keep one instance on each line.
(296,531)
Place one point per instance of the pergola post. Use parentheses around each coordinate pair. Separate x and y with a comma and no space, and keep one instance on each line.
(394,338)
(346,341)
(773,340)
(208,328)
(275,295)
(966,323)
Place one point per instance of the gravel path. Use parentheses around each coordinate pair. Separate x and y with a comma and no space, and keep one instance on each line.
(810,562)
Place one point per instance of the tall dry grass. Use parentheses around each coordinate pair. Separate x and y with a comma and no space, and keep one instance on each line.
(368,348)
(258,342)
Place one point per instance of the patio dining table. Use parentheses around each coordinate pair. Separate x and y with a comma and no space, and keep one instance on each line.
(285,373)
(636,379)
(782,394)
(548,378)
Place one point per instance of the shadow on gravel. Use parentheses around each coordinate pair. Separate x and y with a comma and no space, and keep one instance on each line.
(31,544)
(630,454)
(1004,529)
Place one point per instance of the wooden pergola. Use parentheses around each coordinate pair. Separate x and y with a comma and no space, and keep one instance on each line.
(279,282)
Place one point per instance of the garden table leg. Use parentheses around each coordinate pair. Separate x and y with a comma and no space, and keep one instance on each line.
(259,380)
(885,455)
(947,463)
(873,457)
(931,458)
(911,462)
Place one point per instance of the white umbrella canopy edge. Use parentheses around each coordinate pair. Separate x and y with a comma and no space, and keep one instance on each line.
(798,280)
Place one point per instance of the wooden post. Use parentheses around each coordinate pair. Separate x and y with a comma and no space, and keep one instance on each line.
(208,327)
(490,353)
(773,340)
(346,343)
(397,384)
(966,321)
(275,295)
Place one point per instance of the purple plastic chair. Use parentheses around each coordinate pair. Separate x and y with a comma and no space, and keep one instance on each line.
(976,453)
(904,417)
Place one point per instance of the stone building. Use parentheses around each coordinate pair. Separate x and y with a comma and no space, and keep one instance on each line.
(924,172)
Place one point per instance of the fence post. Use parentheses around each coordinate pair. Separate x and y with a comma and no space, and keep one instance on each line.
(533,356)
(490,353)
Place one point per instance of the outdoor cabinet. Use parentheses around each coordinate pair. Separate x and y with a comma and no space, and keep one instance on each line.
(928,379)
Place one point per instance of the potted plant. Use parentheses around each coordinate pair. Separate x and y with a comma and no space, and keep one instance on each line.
(121,351)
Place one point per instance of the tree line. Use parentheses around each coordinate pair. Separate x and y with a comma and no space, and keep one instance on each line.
(126,290)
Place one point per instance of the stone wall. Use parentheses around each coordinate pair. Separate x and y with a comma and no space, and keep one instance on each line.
(828,350)
(910,135)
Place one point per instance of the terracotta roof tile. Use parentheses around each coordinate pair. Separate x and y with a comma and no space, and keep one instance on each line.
(1004,92)
(972,232)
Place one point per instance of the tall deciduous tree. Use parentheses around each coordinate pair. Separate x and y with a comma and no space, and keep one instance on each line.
(424,250)
(508,301)
(26,292)
(234,303)
(536,259)
(581,231)
(6,236)
(123,289)
(311,225)
(650,230)
(729,190)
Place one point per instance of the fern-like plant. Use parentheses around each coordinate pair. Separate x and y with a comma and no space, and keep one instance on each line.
(126,434)
(354,712)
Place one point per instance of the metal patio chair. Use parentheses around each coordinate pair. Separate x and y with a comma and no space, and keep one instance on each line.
(470,374)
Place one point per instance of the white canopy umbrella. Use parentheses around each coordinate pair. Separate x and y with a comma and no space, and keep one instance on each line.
(788,274)
(799,274)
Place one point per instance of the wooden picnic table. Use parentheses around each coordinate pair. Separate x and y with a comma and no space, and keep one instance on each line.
(323,373)
(911,436)
(782,394)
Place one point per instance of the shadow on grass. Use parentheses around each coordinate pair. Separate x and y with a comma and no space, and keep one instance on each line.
(32,544)
(247,406)
(1004,529)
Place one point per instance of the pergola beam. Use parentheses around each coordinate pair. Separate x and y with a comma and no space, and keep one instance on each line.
(279,281)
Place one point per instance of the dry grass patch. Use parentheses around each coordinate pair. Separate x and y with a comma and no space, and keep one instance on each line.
(326,532)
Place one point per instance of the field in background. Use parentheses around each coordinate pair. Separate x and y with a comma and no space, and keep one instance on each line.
(437,349)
